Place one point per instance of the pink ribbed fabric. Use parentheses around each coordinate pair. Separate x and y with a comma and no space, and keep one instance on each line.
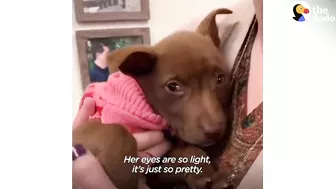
(120,100)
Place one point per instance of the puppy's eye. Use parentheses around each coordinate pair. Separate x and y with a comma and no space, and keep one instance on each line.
(220,79)
(174,87)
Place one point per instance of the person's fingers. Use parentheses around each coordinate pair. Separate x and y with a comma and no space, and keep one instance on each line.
(87,171)
(158,150)
(148,139)
(84,113)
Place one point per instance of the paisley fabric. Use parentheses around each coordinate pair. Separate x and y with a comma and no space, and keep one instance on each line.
(246,131)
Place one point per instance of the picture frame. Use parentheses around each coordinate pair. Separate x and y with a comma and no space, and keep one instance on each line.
(92,44)
(111,10)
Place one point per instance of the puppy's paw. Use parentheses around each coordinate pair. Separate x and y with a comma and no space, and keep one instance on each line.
(216,181)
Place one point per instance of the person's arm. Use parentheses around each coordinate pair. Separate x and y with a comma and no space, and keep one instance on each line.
(87,171)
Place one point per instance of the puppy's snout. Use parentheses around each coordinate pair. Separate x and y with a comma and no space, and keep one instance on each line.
(214,131)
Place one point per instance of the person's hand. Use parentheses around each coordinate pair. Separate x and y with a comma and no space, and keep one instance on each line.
(87,171)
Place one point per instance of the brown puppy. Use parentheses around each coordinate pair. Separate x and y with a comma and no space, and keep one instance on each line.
(182,79)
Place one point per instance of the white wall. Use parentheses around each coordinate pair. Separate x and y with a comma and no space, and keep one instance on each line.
(167,16)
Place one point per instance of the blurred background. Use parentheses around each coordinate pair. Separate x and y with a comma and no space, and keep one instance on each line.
(166,16)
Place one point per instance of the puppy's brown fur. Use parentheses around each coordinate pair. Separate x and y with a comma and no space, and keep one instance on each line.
(185,79)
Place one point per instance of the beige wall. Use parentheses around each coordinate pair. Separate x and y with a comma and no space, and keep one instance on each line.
(166,17)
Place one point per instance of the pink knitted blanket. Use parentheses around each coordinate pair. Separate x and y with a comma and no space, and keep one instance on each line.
(120,100)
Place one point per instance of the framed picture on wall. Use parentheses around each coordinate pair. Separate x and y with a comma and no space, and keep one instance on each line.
(94,45)
(111,10)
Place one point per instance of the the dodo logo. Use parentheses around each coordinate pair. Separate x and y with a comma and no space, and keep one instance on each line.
(299,10)
(317,13)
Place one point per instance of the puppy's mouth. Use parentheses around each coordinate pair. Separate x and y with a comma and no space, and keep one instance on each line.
(207,144)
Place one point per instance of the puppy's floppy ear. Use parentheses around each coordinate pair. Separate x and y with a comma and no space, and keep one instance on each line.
(208,26)
(133,60)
